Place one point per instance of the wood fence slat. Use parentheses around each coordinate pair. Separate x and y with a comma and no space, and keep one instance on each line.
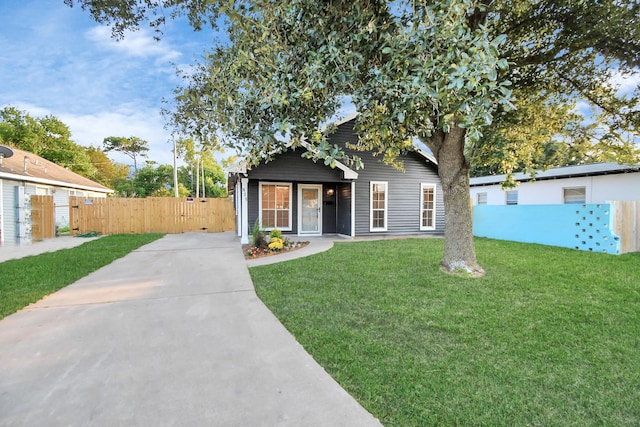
(626,224)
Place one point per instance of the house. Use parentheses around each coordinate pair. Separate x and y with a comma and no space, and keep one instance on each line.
(583,184)
(24,174)
(305,198)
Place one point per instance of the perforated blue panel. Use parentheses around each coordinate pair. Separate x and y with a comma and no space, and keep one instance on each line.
(594,229)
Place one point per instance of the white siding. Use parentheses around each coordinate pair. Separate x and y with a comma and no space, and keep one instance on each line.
(598,189)
(9,211)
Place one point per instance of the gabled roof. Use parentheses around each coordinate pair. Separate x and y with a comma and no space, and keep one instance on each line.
(348,173)
(559,173)
(28,167)
(427,155)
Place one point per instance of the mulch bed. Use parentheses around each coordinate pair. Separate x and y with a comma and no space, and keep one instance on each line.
(265,253)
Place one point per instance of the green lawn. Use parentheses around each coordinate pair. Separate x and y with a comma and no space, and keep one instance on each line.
(26,280)
(549,337)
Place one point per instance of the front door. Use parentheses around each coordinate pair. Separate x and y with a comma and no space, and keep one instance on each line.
(310,209)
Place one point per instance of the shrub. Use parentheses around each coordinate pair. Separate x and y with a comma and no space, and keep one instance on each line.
(275,233)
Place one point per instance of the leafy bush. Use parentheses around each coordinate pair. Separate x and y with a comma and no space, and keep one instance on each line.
(275,233)
(259,239)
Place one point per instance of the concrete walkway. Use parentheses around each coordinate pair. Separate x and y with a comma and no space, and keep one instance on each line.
(8,252)
(173,334)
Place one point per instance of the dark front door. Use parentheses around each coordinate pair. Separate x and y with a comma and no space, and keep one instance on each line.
(329,203)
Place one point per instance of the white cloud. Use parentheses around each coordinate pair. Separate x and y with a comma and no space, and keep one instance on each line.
(626,83)
(125,120)
(139,44)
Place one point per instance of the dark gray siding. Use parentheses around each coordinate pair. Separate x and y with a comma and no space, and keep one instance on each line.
(403,189)
(292,167)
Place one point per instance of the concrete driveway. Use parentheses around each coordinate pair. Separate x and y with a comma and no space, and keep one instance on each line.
(173,334)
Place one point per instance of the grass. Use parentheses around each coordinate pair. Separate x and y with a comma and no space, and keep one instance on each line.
(26,280)
(549,337)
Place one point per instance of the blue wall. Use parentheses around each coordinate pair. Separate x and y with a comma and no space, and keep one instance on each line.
(582,227)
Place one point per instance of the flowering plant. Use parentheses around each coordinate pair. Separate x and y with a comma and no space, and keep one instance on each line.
(276,244)
(255,251)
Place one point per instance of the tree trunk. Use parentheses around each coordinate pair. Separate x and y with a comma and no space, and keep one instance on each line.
(453,168)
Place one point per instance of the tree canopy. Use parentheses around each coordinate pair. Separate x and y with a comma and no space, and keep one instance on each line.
(45,136)
(133,147)
(447,72)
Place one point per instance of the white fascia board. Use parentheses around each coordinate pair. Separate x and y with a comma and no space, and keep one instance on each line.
(15,177)
(427,156)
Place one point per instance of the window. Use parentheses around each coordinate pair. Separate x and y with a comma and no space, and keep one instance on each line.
(378,206)
(427,207)
(481,198)
(275,206)
(574,195)
(512,197)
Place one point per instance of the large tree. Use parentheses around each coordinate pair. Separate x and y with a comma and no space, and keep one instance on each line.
(441,71)
(47,136)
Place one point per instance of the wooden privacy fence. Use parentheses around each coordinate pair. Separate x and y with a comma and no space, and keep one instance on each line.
(626,222)
(43,218)
(149,215)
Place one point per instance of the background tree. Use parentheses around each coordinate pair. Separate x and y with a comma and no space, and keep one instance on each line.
(411,68)
(132,147)
(154,181)
(48,137)
(199,158)
(107,172)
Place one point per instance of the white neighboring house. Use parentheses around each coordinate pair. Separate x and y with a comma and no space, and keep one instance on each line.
(24,173)
(592,183)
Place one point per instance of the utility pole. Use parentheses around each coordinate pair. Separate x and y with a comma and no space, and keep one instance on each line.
(203,191)
(197,178)
(175,169)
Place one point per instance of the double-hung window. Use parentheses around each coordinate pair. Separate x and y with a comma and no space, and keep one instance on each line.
(512,197)
(427,207)
(275,206)
(378,196)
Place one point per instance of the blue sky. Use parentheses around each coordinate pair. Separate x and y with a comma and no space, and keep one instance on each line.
(57,60)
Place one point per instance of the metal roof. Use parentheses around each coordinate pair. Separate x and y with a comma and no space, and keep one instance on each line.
(558,173)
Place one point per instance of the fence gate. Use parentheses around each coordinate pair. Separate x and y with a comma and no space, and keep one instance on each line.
(149,215)
(43,218)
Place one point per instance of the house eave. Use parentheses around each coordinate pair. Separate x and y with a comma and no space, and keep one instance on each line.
(44,181)
(566,172)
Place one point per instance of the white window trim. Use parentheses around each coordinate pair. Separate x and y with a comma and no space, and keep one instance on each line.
(288,184)
(422,187)
(386,206)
